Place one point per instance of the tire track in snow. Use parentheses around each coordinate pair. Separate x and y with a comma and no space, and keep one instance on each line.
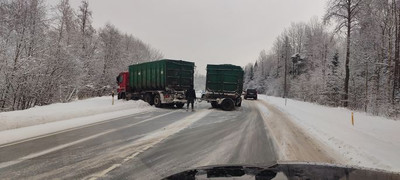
(37,154)
(148,141)
(291,142)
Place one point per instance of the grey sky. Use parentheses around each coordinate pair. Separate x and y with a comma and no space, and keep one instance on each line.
(205,31)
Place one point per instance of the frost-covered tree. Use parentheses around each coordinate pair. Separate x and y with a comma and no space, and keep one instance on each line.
(320,61)
(22,39)
(344,12)
(333,83)
(54,54)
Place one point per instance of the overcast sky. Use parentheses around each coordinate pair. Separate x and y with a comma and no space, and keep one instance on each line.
(205,31)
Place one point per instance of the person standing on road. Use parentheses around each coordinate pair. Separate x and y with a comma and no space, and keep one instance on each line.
(190,96)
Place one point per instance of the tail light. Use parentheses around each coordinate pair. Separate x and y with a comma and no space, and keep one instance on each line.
(166,96)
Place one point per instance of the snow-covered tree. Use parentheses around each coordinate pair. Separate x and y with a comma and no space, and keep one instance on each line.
(55,55)
(320,62)
(345,13)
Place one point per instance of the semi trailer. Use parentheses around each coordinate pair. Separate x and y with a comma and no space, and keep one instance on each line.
(160,83)
(224,86)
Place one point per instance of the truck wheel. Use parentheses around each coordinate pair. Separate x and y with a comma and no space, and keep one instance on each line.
(149,99)
(157,101)
(228,104)
(179,105)
(214,104)
(119,96)
(123,96)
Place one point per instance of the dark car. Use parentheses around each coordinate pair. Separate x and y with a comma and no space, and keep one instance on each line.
(251,93)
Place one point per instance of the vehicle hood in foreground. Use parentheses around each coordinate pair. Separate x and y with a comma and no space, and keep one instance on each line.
(285,170)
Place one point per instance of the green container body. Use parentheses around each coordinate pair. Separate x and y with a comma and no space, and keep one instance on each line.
(224,78)
(161,75)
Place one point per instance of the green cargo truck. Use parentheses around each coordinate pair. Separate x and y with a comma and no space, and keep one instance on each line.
(161,82)
(224,85)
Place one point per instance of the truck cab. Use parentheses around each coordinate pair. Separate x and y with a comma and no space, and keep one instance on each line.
(123,84)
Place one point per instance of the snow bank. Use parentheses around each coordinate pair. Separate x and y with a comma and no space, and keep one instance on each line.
(64,111)
(372,142)
(53,118)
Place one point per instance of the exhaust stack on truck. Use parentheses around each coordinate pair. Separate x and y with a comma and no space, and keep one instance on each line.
(224,86)
(161,82)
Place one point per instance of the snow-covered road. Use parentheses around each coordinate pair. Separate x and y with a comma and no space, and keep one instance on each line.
(151,143)
(146,145)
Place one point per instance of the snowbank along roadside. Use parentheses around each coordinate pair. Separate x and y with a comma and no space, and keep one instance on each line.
(63,111)
(290,142)
(372,142)
(45,119)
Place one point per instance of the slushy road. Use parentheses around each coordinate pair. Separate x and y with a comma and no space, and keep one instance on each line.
(147,145)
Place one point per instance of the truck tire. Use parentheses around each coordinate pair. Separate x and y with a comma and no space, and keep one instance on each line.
(149,99)
(157,101)
(179,105)
(228,104)
(119,96)
(214,104)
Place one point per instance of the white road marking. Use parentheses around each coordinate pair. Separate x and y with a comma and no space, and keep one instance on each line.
(114,166)
(34,155)
(102,173)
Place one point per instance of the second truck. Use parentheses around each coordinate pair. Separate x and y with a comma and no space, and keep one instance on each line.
(162,82)
(224,86)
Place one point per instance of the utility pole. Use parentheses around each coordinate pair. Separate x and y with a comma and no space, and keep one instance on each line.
(286,58)
(366,86)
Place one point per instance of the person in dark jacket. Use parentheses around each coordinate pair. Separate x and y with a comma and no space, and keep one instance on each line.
(190,96)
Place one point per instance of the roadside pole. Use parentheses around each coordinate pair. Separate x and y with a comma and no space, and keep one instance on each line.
(285,76)
(112,94)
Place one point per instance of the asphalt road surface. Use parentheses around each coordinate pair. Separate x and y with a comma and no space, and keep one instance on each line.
(148,145)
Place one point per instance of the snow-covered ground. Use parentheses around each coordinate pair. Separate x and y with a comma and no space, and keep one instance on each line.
(372,142)
(18,125)
(63,111)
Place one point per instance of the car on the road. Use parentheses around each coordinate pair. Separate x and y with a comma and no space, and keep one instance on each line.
(251,93)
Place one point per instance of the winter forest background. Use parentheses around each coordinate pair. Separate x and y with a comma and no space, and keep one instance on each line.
(53,54)
(350,57)
(363,35)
